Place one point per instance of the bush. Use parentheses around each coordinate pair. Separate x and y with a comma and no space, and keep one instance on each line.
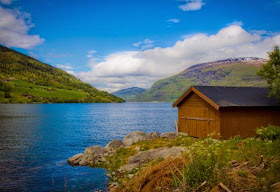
(7,95)
(270,132)
(203,161)
(6,87)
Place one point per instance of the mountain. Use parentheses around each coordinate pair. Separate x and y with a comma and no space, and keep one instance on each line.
(129,93)
(229,72)
(24,79)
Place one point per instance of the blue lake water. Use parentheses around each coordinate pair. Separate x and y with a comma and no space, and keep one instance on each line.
(37,139)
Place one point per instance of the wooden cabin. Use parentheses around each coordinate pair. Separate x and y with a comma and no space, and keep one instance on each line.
(224,112)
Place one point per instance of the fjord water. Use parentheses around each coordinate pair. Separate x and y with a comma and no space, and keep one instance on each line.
(37,139)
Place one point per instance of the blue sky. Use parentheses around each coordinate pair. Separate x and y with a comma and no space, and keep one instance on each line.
(115,44)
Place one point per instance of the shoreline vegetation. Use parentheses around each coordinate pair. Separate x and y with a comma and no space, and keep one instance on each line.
(167,162)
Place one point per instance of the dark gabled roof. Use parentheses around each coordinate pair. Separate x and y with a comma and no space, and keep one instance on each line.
(219,96)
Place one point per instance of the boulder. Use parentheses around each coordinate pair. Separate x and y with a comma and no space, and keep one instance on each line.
(169,135)
(92,155)
(154,154)
(114,144)
(75,159)
(153,135)
(150,155)
(95,151)
(135,137)
(83,162)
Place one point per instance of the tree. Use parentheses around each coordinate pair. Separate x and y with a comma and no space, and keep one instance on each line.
(271,72)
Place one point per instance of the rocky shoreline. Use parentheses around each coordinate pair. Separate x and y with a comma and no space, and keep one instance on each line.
(96,156)
(167,162)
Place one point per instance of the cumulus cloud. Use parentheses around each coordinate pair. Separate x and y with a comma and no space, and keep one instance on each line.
(173,20)
(70,72)
(6,2)
(192,5)
(14,28)
(142,68)
(147,43)
(66,66)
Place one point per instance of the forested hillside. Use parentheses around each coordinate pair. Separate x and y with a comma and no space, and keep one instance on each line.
(24,79)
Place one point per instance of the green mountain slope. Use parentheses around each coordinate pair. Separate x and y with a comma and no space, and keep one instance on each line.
(24,79)
(228,72)
(129,93)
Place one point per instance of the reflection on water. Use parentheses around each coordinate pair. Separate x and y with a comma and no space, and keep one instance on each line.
(36,140)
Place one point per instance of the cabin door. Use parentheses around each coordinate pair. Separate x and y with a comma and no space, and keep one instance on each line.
(196,122)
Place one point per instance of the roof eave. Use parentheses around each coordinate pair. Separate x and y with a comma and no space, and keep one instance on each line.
(204,97)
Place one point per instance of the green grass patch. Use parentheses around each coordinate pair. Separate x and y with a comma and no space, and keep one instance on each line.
(119,159)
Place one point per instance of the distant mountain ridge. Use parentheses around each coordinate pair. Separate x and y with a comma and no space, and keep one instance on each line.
(227,72)
(129,93)
(251,60)
(24,79)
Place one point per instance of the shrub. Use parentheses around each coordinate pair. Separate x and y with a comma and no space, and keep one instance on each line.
(7,95)
(203,161)
(6,87)
(270,132)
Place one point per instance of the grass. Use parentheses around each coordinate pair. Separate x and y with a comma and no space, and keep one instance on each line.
(20,87)
(250,164)
(119,159)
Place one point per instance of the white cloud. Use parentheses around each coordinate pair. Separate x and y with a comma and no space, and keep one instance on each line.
(145,44)
(92,59)
(14,28)
(90,53)
(64,66)
(70,72)
(173,20)
(6,2)
(192,5)
(144,67)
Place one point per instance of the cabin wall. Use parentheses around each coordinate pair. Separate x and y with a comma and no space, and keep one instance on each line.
(244,120)
(197,118)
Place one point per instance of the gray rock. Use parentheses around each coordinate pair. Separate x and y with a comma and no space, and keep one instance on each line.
(129,167)
(88,158)
(95,151)
(135,137)
(169,135)
(115,144)
(75,159)
(154,154)
(83,162)
(153,135)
